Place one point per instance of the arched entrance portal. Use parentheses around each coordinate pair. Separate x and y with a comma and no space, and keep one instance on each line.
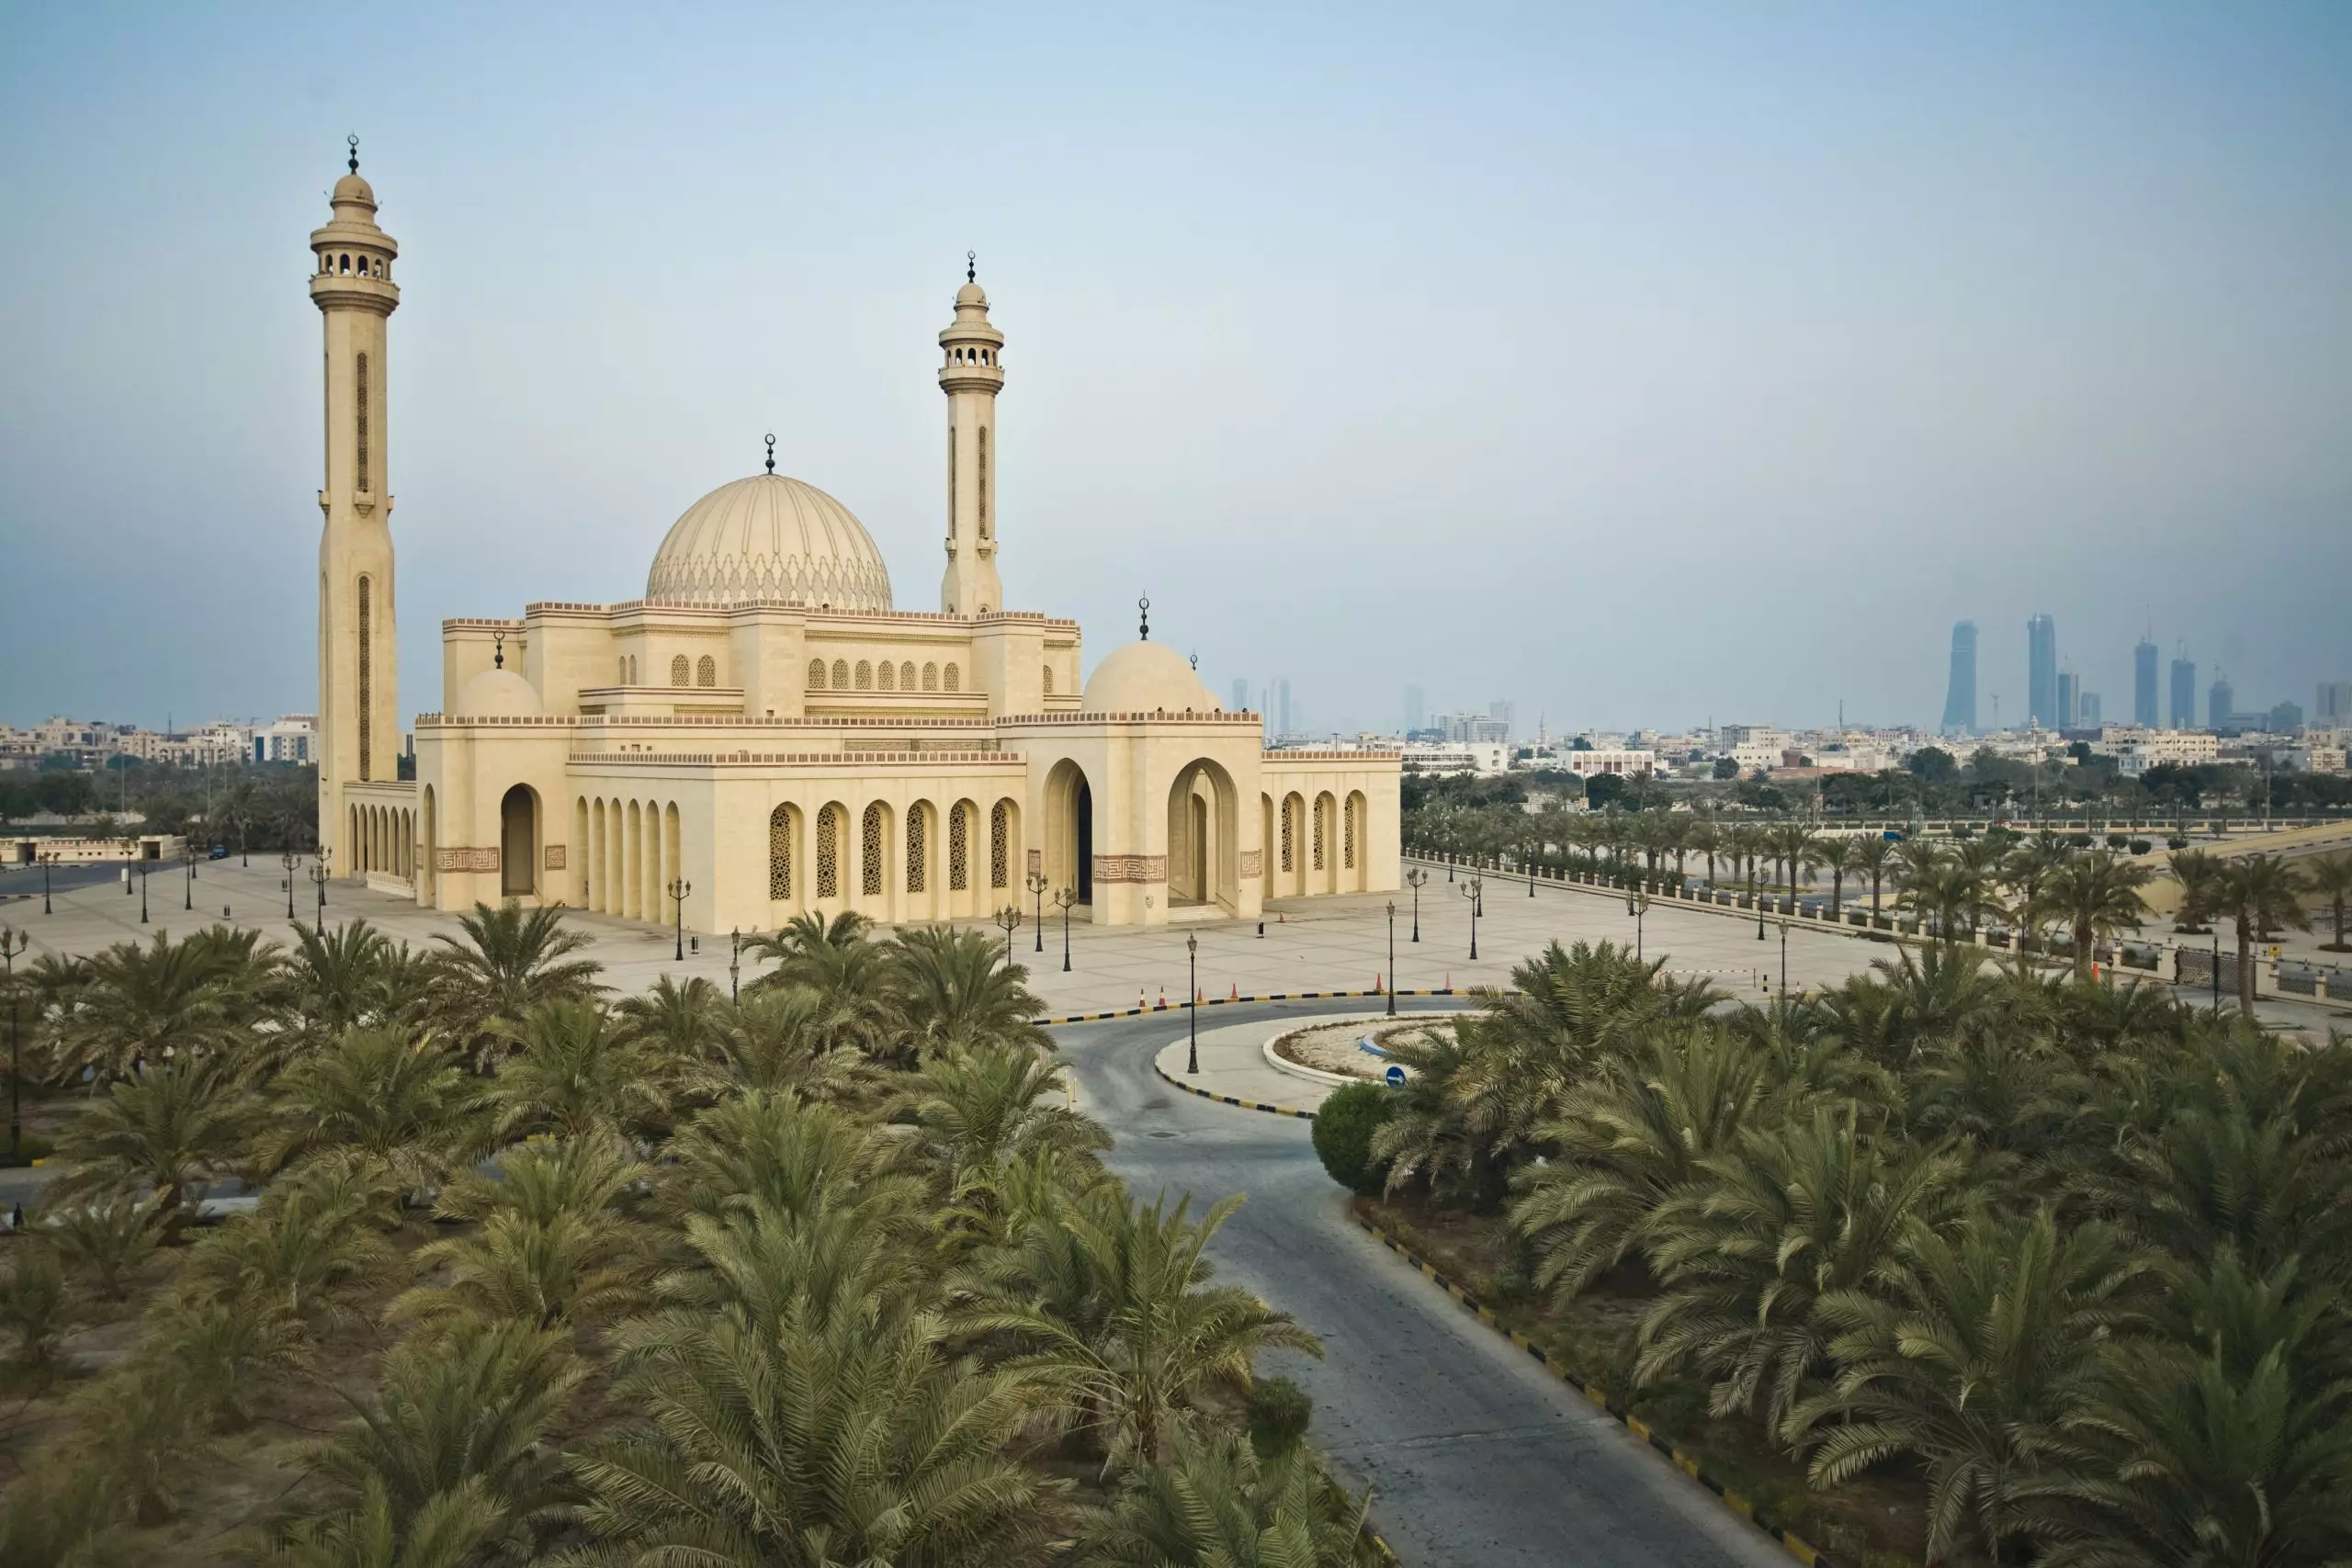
(518,837)
(1204,818)
(1069,830)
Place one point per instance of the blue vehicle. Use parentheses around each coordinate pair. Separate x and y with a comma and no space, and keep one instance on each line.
(219,852)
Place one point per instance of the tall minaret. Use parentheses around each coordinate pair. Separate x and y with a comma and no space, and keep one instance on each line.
(971,375)
(358,690)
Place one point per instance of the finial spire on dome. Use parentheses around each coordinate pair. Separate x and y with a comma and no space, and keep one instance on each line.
(770,453)
(1144,631)
(971,266)
(352,141)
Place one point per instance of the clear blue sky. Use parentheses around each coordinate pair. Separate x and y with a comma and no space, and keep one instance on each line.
(1636,362)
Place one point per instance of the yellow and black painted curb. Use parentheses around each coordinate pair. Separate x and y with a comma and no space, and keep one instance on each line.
(1228,1001)
(1790,1542)
(1230,1099)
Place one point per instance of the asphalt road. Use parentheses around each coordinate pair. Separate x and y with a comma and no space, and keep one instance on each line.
(1477,1456)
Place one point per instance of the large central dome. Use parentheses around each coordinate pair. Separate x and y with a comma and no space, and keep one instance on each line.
(770,537)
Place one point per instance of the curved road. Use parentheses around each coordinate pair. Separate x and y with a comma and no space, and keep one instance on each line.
(1477,1456)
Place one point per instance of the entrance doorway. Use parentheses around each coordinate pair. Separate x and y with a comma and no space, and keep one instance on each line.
(1083,809)
(517,842)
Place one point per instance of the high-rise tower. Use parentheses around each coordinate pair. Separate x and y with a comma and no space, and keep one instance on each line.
(971,375)
(1960,697)
(359,685)
(2144,683)
(2041,671)
(2183,713)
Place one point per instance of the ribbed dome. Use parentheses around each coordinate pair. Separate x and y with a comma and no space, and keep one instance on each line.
(1145,677)
(770,537)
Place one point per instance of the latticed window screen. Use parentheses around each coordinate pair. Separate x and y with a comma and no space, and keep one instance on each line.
(984,488)
(705,671)
(359,376)
(816,674)
(1000,845)
(841,674)
(931,677)
(829,853)
(954,681)
(1287,835)
(907,676)
(1049,680)
(917,849)
(678,671)
(780,852)
(367,678)
(1348,837)
(1320,813)
(869,851)
(958,849)
(885,676)
(865,676)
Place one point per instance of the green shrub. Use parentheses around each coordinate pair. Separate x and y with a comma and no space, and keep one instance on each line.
(1279,1411)
(1343,1130)
(2175,842)
(2141,846)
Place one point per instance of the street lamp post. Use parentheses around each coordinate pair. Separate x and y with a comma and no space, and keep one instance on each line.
(12,942)
(142,885)
(1063,898)
(1192,1001)
(1392,958)
(48,858)
(1470,890)
(679,891)
(1755,901)
(188,853)
(1640,911)
(1037,884)
(320,872)
(735,966)
(1784,964)
(1414,879)
(1008,919)
(290,860)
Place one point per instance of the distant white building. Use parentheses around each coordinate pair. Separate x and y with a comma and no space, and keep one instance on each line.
(1626,760)
(1457,757)
(293,738)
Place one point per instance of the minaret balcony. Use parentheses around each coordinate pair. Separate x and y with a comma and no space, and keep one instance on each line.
(972,377)
(330,292)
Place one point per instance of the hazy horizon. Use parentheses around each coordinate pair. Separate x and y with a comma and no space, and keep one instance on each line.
(1638,368)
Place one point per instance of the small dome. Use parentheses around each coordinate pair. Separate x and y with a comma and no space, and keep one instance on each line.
(498,693)
(351,187)
(972,294)
(770,537)
(1145,677)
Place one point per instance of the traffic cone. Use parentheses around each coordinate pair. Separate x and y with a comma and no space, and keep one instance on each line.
(1163,999)
(1140,1003)
(1197,995)
(1375,984)
(1237,992)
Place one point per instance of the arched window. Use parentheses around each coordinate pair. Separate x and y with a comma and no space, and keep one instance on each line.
(1321,811)
(869,851)
(841,674)
(865,676)
(1348,836)
(1288,851)
(828,852)
(632,669)
(886,675)
(959,848)
(366,677)
(780,852)
(918,846)
(1049,680)
(620,675)
(953,682)
(678,670)
(705,671)
(346,264)
(907,676)
(931,677)
(816,674)
(1000,844)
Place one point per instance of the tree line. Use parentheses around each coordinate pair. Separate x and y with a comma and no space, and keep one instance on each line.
(258,805)
(826,1274)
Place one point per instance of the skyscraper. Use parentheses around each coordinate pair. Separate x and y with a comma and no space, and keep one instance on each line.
(2333,710)
(2220,702)
(1280,704)
(1417,709)
(2041,671)
(2144,683)
(2070,703)
(1960,697)
(2088,710)
(1241,693)
(2183,714)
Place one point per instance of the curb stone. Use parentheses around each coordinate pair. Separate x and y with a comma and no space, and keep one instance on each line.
(1228,1001)
(1796,1545)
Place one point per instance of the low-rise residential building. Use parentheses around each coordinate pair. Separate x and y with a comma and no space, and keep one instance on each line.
(1456,757)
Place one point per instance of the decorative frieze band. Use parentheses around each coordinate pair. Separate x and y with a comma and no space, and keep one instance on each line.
(554,857)
(1130,868)
(459,857)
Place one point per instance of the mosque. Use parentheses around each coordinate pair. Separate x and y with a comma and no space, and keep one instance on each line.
(766,734)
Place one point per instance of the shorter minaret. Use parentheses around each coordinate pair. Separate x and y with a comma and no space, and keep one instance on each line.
(971,374)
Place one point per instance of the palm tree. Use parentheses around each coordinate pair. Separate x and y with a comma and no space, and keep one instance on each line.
(1978,1355)
(342,978)
(766,1149)
(1705,838)
(2259,893)
(776,1039)
(1216,1505)
(510,960)
(108,1240)
(451,1529)
(1793,847)
(681,1022)
(2095,895)
(983,1107)
(1872,853)
(1786,1218)
(836,960)
(2200,875)
(474,1405)
(143,1004)
(1125,1323)
(1837,853)
(406,1101)
(555,1245)
(2330,878)
(37,1304)
(227,1350)
(2032,862)
(314,1249)
(175,1127)
(1628,1142)
(579,1073)
(955,990)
